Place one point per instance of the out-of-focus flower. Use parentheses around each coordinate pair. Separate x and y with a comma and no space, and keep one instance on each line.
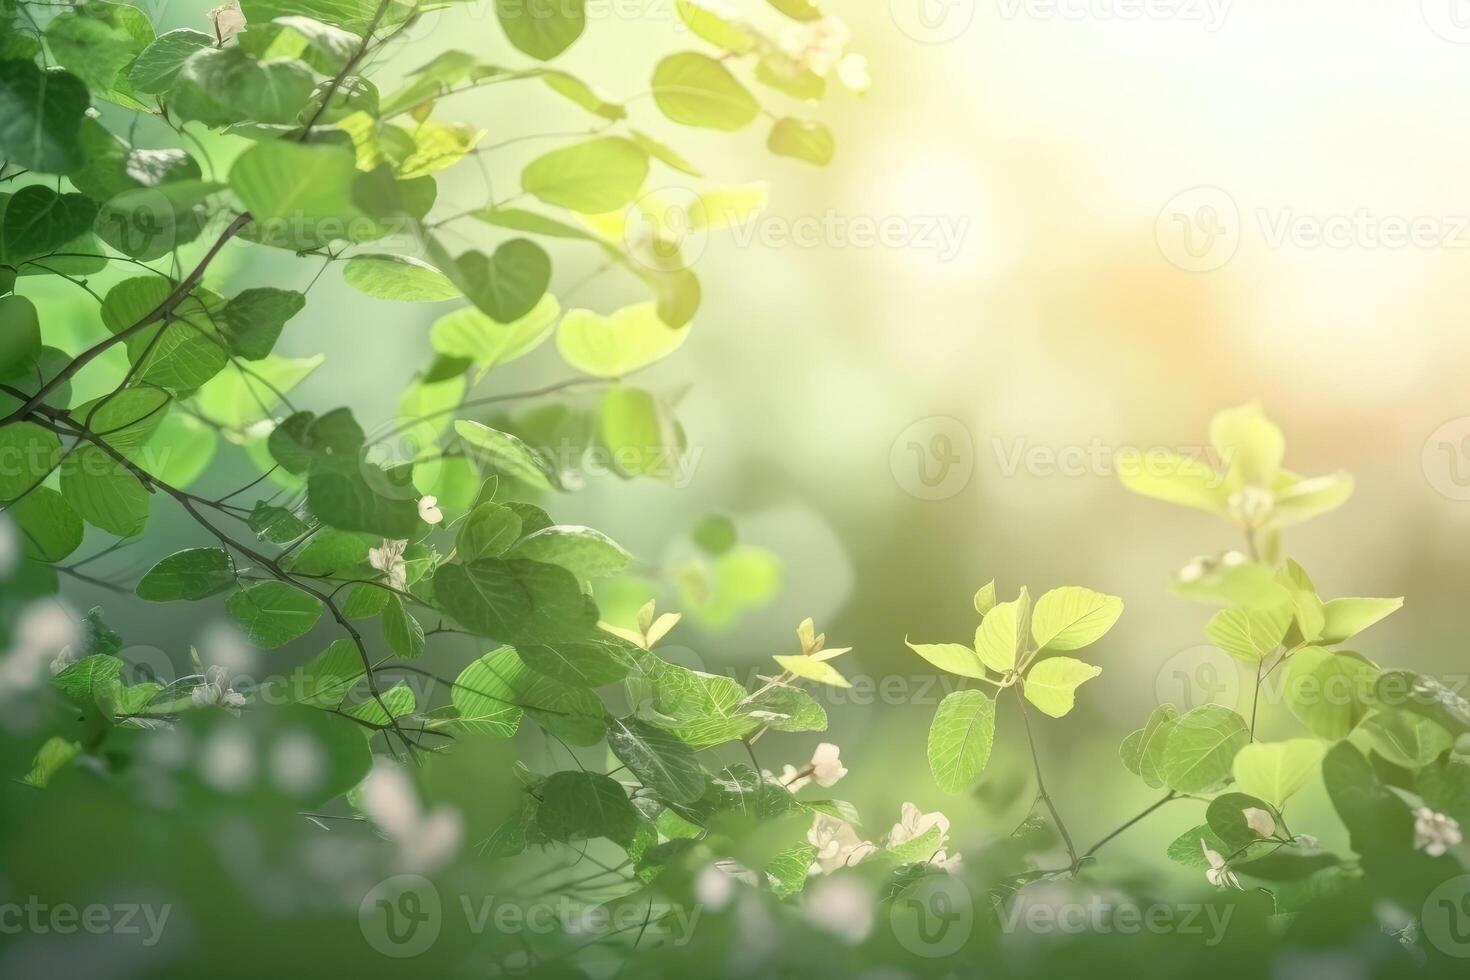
(388,559)
(216,691)
(228,20)
(820,46)
(426,841)
(63,660)
(1218,873)
(1251,505)
(837,844)
(843,907)
(824,769)
(914,823)
(1435,833)
(429,511)
(949,863)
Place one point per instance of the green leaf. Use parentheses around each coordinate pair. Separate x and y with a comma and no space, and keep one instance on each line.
(1249,635)
(955,658)
(1407,691)
(503,453)
(508,284)
(154,69)
(404,634)
(1329,693)
(471,335)
(41,113)
(812,669)
(1173,478)
(97,41)
(665,154)
(1052,684)
(1073,617)
(272,614)
(1226,817)
(661,762)
(104,492)
(50,526)
(594,177)
(542,29)
(397,702)
(348,498)
(582,805)
(1346,618)
(584,551)
(785,709)
(960,739)
(696,90)
(802,10)
(189,575)
(1378,821)
(28,454)
(488,531)
(1302,499)
(1201,748)
(398,277)
(715,28)
(802,139)
(1250,444)
(597,660)
(1003,633)
(20,335)
(1273,771)
(618,344)
(254,318)
(485,694)
(301,195)
(221,86)
(1404,738)
(38,220)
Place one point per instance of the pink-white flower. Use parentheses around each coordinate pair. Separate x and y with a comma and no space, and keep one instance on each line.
(228,20)
(388,559)
(837,844)
(216,691)
(914,823)
(1435,833)
(429,511)
(1218,873)
(1259,821)
(824,769)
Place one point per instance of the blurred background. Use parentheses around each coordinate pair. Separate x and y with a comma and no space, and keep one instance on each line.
(1052,230)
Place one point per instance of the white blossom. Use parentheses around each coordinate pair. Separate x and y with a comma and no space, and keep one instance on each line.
(820,47)
(216,691)
(388,559)
(824,769)
(1251,505)
(837,844)
(228,20)
(1218,874)
(1435,833)
(944,861)
(1259,821)
(426,840)
(914,823)
(63,660)
(429,511)
(852,72)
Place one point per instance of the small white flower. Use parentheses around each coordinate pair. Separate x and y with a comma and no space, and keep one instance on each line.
(1218,873)
(1435,833)
(388,559)
(914,823)
(429,511)
(946,862)
(1233,558)
(228,19)
(852,72)
(824,769)
(837,844)
(63,660)
(1199,566)
(1251,505)
(1260,821)
(216,691)
(817,45)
